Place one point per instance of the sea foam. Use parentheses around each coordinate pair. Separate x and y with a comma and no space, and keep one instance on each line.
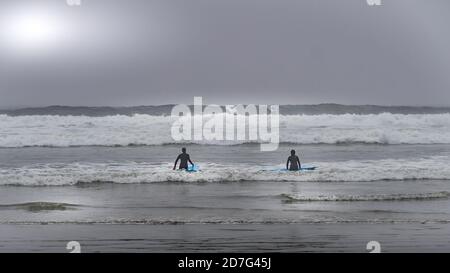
(143,129)
(63,174)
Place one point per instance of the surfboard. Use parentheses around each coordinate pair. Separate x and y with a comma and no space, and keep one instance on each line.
(192,169)
(304,168)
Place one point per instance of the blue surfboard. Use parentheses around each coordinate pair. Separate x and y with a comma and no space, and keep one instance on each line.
(304,168)
(192,169)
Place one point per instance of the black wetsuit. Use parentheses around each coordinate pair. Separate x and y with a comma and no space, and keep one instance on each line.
(294,163)
(184,159)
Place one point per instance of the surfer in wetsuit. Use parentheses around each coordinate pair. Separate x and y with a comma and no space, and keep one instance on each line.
(294,162)
(184,158)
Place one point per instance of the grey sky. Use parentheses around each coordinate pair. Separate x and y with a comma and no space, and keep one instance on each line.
(143,52)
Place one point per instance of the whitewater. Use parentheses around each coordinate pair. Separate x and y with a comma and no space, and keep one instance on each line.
(144,129)
(66,174)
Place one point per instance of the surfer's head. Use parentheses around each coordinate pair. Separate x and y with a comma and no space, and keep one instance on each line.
(183,150)
(292,152)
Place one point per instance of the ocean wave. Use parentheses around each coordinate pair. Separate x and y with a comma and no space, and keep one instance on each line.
(39,206)
(82,174)
(142,129)
(371,197)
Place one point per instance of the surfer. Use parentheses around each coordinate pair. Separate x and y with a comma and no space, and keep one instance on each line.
(184,158)
(294,162)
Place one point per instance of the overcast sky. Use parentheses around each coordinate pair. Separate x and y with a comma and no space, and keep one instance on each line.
(147,52)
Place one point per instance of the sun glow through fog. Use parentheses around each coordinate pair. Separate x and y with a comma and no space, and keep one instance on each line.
(31,30)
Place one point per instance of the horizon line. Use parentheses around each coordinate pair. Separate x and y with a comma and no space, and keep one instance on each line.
(13,108)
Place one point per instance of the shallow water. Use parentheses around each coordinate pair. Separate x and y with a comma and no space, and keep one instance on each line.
(227,238)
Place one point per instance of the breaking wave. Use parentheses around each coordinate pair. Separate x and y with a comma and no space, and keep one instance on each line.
(62,174)
(143,129)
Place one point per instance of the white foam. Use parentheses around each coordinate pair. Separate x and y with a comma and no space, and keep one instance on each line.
(436,167)
(119,130)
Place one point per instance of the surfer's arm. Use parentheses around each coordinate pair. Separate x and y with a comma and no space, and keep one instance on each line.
(287,164)
(190,161)
(299,164)
(176,161)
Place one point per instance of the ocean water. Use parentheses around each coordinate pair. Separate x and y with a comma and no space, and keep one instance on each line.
(106,180)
